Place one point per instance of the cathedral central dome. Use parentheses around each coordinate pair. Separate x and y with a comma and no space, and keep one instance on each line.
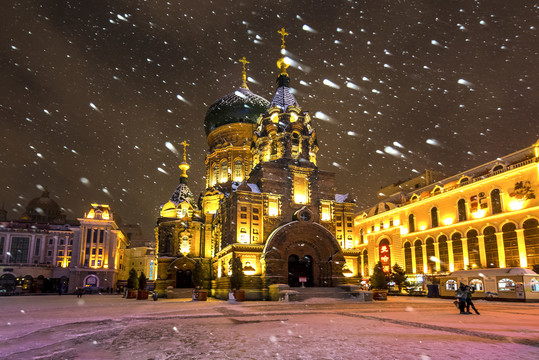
(241,106)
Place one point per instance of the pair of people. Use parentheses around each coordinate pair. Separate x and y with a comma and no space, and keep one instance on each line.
(464,296)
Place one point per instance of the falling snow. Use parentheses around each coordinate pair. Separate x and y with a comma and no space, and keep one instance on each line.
(97,98)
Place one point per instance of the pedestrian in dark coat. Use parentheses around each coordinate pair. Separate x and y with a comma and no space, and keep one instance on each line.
(461,296)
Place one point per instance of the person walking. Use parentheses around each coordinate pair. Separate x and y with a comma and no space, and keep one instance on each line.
(461,296)
(469,301)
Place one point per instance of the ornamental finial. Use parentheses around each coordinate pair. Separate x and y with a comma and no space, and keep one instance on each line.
(244,72)
(283,34)
(282,63)
(184,166)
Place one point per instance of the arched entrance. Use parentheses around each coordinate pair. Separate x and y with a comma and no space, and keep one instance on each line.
(300,270)
(303,248)
(184,279)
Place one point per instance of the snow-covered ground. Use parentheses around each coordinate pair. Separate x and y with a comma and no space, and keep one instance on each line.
(110,327)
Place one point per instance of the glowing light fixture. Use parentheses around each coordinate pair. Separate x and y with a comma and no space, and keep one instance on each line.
(448,221)
(404,231)
(275,118)
(396,222)
(479,214)
(293,117)
(347,272)
(248,269)
(422,227)
(386,225)
(515,205)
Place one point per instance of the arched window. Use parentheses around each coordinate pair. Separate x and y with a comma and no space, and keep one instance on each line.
(506,285)
(408,258)
(497,168)
(295,144)
(444,253)
(274,147)
(224,172)
(365,263)
(434,217)
(531,239)
(411,223)
(477,284)
(431,255)
(464,180)
(474,259)
(461,205)
(418,256)
(510,245)
(496,201)
(238,170)
(451,285)
(215,174)
(491,247)
(534,284)
(458,256)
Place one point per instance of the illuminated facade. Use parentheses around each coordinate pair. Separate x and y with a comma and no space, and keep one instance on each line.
(44,252)
(485,217)
(100,252)
(266,202)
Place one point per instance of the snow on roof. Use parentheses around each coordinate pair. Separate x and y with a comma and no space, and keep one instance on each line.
(493,272)
(340,198)
(254,188)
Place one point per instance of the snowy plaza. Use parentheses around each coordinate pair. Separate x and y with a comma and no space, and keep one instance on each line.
(111,327)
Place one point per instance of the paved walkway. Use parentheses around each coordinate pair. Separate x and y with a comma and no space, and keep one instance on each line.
(110,327)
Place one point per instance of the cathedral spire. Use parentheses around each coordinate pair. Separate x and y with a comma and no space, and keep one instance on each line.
(184,166)
(282,62)
(283,97)
(244,73)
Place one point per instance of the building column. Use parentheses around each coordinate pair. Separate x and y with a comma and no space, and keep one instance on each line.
(7,248)
(482,252)
(425,260)
(465,253)
(451,257)
(362,262)
(522,248)
(414,267)
(501,249)
(437,254)
(31,249)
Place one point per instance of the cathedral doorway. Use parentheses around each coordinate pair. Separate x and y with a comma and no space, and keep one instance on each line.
(300,270)
(184,279)
(303,249)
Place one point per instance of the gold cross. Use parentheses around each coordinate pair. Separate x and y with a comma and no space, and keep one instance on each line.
(185,145)
(283,34)
(244,72)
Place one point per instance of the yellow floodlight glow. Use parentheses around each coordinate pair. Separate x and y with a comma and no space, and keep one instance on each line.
(422,227)
(448,221)
(516,205)
(275,118)
(293,117)
(248,269)
(396,222)
(386,225)
(404,231)
(479,214)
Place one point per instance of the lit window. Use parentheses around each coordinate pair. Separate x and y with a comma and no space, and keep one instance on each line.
(534,285)
(506,285)
(238,170)
(273,206)
(224,172)
(301,189)
(477,284)
(451,285)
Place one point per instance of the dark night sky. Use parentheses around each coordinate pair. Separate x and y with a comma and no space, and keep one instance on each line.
(91,91)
